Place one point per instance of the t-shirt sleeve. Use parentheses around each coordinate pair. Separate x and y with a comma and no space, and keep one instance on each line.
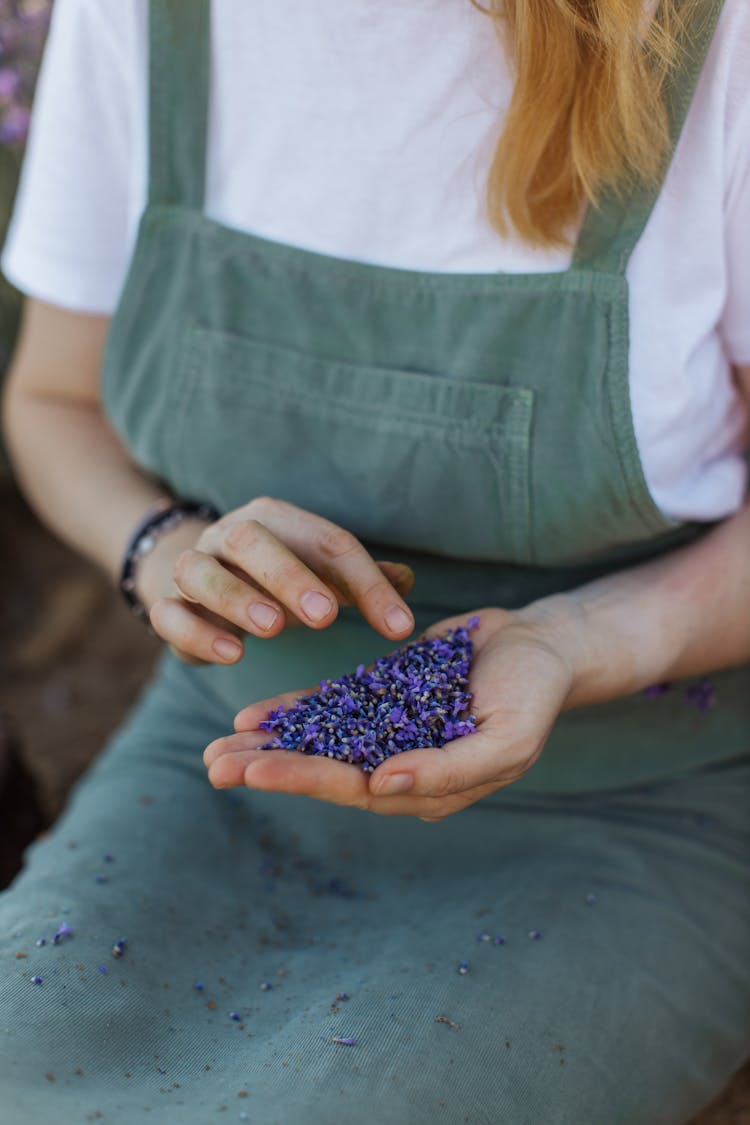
(735,321)
(70,236)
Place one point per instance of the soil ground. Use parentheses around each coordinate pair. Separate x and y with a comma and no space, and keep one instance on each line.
(72,660)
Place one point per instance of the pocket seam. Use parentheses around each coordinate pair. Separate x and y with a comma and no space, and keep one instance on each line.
(513,431)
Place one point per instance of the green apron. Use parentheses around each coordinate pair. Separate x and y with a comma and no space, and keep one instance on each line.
(476,426)
(479,427)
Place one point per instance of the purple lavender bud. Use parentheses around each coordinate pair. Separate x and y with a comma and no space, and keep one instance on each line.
(534,935)
(463,968)
(653,691)
(15,125)
(37,980)
(702,695)
(413,697)
(498,941)
(345,1040)
(234,1016)
(9,83)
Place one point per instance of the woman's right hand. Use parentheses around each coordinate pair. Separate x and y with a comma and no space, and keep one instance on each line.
(259,569)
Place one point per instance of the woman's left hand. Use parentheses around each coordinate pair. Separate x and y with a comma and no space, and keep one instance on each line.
(521,675)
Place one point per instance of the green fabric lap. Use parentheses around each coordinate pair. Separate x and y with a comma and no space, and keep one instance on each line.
(230,888)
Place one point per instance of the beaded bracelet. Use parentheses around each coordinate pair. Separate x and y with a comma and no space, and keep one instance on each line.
(161,518)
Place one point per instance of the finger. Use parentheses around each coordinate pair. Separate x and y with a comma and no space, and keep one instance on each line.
(247,742)
(399,575)
(322,779)
(251,546)
(237,760)
(339,557)
(249,717)
(471,762)
(201,578)
(184,629)
(289,771)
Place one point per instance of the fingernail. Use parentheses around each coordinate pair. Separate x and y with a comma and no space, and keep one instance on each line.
(315,605)
(262,615)
(227,650)
(395,783)
(397,619)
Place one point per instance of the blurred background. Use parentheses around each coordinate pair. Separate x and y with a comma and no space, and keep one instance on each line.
(72,659)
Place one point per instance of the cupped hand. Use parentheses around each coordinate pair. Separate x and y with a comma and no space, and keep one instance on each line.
(521,675)
(260,568)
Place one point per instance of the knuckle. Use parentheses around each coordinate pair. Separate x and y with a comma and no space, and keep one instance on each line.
(261,504)
(285,578)
(378,589)
(335,542)
(157,615)
(243,536)
(447,784)
(184,564)
(225,595)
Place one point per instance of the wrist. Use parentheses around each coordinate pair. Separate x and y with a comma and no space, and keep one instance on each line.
(155,574)
(160,523)
(612,634)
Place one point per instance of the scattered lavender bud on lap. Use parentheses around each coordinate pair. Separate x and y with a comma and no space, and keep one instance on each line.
(702,695)
(414,697)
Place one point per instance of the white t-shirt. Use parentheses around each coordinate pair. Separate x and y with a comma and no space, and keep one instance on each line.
(364,130)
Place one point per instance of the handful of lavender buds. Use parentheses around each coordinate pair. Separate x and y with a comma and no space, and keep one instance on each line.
(413,697)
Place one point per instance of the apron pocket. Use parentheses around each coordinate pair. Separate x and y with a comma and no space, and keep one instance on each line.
(415,460)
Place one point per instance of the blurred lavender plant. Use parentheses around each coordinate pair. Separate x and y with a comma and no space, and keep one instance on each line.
(23,30)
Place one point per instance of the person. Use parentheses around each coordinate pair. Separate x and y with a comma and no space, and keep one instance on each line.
(344,323)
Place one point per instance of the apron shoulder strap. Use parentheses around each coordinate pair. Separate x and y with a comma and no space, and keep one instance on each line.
(611,230)
(179,57)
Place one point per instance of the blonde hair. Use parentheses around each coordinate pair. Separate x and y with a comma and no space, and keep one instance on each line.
(588,110)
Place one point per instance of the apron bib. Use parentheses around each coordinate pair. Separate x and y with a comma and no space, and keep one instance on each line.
(476,426)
